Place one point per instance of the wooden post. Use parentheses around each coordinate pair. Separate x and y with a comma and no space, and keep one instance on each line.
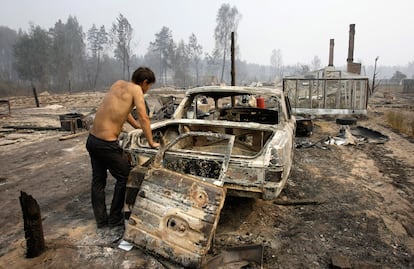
(33,230)
(35,96)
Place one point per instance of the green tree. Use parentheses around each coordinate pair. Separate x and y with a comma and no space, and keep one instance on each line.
(299,69)
(410,69)
(67,54)
(195,51)
(315,63)
(227,22)
(32,55)
(181,65)
(398,76)
(276,62)
(8,38)
(77,49)
(213,64)
(121,35)
(97,39)
(163,47)
(61,61)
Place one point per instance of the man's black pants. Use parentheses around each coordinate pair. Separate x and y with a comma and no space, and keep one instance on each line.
(107,155)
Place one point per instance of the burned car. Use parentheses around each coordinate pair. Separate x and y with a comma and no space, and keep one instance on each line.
(220,141)
(261,122)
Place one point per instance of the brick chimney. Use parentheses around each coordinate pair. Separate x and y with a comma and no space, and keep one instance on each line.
(351,44)
(351,66)
(331,52)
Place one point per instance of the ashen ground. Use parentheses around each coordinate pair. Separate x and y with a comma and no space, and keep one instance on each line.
(354,202)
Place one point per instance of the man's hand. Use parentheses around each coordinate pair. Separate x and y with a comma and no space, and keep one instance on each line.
(155,145)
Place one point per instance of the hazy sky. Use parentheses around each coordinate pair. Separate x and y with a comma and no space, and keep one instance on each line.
(301,29)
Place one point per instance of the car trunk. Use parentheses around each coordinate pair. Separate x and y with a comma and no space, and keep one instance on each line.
(248,141)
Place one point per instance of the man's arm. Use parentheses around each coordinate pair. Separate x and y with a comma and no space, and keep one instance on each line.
(143,118)
(133,122)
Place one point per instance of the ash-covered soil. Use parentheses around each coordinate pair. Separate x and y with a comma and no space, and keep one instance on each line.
(352,203)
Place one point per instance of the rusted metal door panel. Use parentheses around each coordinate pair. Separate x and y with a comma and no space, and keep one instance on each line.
(175,216)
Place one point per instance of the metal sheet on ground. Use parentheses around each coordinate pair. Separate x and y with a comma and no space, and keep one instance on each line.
(175,216)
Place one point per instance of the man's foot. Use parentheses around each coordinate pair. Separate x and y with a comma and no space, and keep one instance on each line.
(110,236)
(117,224)
(101,225)
(116,233)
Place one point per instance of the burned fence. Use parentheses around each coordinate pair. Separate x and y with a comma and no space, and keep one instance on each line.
(327,95)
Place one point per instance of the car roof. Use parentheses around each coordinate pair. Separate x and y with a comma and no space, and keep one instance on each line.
(233,90)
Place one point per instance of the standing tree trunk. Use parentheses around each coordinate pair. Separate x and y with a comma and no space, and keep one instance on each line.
(33,230)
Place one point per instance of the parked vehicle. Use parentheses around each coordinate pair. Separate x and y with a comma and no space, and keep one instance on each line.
(261,122)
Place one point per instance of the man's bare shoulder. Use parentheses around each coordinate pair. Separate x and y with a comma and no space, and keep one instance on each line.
(120,84)
(126,86)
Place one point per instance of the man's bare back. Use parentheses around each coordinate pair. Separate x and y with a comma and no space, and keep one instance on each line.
(115,110)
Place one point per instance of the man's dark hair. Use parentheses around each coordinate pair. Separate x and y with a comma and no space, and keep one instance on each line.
(142,74)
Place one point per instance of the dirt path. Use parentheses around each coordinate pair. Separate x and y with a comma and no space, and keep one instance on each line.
(354,202)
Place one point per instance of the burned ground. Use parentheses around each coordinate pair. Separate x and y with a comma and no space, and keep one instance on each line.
(333,205)
(354,202)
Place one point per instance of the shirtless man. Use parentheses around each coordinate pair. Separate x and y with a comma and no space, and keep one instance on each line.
(103,147)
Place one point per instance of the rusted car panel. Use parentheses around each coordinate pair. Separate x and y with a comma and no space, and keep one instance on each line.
(264,136)
(175,214)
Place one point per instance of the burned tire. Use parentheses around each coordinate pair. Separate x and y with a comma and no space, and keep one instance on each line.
(346,121)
